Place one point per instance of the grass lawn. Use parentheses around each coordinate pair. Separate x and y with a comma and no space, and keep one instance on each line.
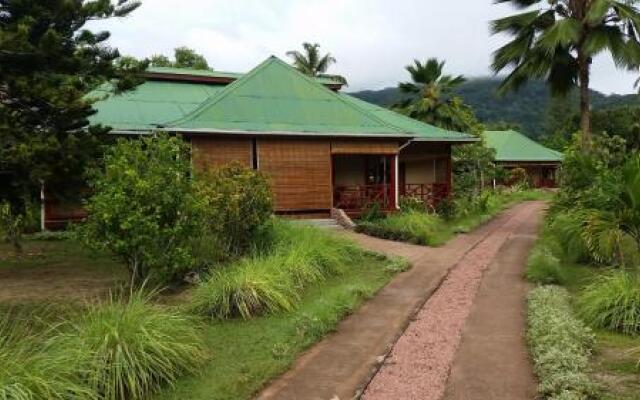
(49,282)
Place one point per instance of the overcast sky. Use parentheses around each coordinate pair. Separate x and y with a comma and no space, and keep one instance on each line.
(371,39)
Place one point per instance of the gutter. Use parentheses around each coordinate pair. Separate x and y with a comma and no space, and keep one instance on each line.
(411,138)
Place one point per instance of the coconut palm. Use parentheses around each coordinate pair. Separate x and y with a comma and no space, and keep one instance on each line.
(310,62)
(429,96)
(558,39)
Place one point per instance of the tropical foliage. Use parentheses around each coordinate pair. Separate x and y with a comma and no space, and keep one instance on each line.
(557,41)
(11,226)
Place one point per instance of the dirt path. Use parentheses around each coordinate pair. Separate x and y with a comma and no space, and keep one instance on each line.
(342,364)
(492,361)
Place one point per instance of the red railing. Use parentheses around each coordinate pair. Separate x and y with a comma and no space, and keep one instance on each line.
(430,193)
(358,197)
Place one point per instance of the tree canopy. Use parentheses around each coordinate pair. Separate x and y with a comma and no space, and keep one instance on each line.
(49,62)
(183,57)
(558,39)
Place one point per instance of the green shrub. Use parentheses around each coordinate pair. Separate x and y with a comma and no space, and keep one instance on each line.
(31,371)
(567,230)
(127,349)
(560,346)
(143,208)
(238,206)
(544,267)
(612,302)
(273,280)
(11,226)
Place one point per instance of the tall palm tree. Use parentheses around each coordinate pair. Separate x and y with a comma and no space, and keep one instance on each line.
(429,94)
(558,39)
(311,63)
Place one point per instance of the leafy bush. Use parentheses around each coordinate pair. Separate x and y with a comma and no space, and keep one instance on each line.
(612,302)
(544,267)
(238,206)
(274,280)
(560,346)
(143,207)
(53,236)
(127,349)
(11,226)
(30,371)
(567,228)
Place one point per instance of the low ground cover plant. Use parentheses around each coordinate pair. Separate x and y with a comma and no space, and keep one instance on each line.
(274,279)
(544,267)
(560,346)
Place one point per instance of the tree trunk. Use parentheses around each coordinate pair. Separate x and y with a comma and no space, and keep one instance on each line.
(585,102)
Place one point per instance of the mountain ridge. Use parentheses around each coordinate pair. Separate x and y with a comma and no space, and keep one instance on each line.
(529,107)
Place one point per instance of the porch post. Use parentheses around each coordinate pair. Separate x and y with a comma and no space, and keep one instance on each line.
(394,183)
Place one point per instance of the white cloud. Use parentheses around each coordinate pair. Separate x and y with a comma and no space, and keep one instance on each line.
(372,39)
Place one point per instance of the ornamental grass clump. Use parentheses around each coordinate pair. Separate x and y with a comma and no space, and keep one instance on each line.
(612,302)
(29,370)
(274,279)
(544,267)
(128,349)
(560,346)
(413,226)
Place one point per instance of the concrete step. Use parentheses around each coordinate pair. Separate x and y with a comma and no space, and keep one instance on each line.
(325,223)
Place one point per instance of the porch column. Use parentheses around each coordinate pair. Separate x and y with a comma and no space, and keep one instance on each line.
(394,183)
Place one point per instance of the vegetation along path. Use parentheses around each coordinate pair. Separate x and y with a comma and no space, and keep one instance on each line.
(342,365)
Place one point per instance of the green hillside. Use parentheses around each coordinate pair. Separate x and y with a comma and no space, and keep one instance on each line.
(528,107)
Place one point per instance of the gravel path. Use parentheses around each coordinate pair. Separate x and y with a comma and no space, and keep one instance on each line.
(419,364)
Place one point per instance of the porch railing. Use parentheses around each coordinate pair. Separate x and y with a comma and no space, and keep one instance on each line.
(430,193)
(358,197)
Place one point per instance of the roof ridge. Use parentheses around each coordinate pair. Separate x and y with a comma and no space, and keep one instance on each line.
(213,100)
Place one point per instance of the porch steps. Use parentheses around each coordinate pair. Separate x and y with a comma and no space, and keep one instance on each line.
(324,223)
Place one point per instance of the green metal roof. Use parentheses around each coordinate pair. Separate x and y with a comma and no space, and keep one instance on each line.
(514,146)
(151,104)
(273,98)
(420,130)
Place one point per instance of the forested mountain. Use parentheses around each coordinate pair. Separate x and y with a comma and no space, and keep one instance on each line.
(530,107)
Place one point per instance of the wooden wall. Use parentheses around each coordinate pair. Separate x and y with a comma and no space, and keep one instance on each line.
(364,147)
(207,152)
(300,172)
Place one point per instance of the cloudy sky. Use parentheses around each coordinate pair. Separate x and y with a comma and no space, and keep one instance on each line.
(372,39)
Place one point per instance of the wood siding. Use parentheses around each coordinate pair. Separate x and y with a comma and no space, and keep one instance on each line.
(364,147)
(208,152)
(300,172)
